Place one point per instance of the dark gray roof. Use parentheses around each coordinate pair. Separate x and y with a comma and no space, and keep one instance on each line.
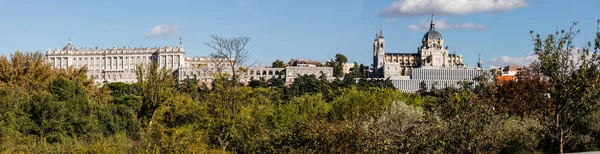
(69,47)
(432,34)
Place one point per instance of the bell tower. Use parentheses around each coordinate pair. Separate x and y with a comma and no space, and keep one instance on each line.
(378,54)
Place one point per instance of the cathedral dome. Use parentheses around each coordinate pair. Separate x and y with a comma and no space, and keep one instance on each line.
(433,35)
(69,46)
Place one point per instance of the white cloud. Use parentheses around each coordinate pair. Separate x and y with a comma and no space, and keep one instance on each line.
(442,24)
(470,26)
(413,8)
(527,59)
(163,31)
(506,60)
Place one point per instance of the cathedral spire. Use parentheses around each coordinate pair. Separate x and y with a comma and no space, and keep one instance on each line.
(479,63)
(598,26)
(380,32)
(432,25)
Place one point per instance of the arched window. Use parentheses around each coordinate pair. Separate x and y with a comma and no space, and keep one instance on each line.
(264,73)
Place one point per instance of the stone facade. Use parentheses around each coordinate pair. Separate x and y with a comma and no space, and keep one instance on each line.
(115,64)
(288,73)
(303,63)
(432,64)
(431,53)
(346,67)
(119,64)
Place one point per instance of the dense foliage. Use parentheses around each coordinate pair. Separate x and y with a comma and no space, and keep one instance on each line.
(43,110)
(278,64)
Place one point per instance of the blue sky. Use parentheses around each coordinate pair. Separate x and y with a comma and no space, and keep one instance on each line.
(307,29)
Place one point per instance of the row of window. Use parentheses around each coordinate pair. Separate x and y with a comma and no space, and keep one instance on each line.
(114,76)
(446,74)
(169,61)
(252,72)
(98,62)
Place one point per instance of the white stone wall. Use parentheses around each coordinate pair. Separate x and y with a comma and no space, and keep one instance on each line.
(288,73)
(119,64)
(266,73)
(293,72)
(116,64)
(443,77)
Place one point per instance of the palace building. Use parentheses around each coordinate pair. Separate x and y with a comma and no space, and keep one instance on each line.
(119,64)
(432,64)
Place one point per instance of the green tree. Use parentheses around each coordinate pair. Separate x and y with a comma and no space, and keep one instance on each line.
(278,64)
(180,111)
(422,88)
(118,89)
(305,84)
(156,85)
(573,76)
(260,83)
(277,82)
(338,64)
(470,118)
(64,112)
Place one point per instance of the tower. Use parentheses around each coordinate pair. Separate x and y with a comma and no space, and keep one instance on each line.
(378,54)
(432,50)
(479,62)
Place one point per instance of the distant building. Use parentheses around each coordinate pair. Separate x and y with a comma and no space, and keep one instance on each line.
(511,70)
(119,64)
(303,63)
(346,67)
(508,73)
(288,73)
(432,64)
(116,64)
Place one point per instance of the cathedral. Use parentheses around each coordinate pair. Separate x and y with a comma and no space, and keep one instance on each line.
(432,64)
(432,52)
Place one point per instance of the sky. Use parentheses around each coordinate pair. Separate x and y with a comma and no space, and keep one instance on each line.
(302,29)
